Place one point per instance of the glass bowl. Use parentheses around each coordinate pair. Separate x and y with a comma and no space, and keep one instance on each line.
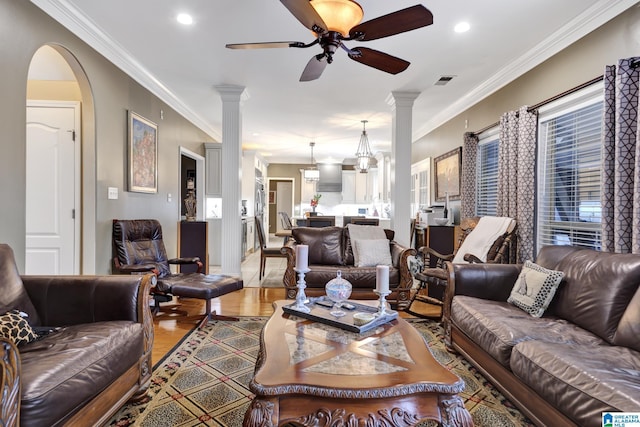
(338,290)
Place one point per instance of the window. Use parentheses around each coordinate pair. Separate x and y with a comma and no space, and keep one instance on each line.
(570,144)
(487,173)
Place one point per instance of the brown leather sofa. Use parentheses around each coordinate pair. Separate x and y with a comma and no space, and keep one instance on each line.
(581,358)
(330,250)
(93,352)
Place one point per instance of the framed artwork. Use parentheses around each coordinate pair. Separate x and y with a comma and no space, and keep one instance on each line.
(448,174)
(272,197)
(143,154)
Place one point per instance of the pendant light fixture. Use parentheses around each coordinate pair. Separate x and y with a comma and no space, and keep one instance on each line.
(364,151)
(312,173)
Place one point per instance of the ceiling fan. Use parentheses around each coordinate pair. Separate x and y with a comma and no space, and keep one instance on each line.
(335,21)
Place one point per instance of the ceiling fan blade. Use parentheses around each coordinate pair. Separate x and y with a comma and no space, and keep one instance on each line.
(264,45)
(394,23)
(314,68)
(380,60)
(306,14)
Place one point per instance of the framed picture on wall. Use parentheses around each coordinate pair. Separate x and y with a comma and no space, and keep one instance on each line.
(447,172)
(143,154)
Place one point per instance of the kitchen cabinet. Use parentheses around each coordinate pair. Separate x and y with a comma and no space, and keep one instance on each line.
(213,168)
(359,187)
(251,235)
(215,241)
(192,242)
(348,186)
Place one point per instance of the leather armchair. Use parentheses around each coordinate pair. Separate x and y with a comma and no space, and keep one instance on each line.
(138,247)
(97,356)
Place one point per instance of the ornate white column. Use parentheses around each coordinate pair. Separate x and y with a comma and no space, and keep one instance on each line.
(402,108)
(231,243)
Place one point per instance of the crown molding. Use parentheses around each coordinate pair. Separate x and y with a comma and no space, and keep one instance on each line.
(591,19)
(84,28)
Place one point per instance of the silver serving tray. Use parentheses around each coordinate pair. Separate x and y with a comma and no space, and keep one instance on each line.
(321,313)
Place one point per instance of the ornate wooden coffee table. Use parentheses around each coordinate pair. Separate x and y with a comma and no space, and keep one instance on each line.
(312,374)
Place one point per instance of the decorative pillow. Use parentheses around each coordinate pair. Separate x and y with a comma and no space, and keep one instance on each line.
(15,328)
(416,264)
(535,288)
(363,232)
(372,252)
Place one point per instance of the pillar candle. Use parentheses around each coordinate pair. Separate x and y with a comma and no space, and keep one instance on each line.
(382,278)
(302,257)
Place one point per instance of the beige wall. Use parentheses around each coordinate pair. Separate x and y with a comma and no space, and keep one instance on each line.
(579,63)
(107,94)
(281,170)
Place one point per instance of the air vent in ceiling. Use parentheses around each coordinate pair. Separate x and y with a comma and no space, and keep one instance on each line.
(443,80)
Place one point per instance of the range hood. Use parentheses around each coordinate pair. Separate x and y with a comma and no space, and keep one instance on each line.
(330,178)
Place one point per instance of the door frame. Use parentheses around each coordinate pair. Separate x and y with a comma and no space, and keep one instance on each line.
(77,176)
(200,205)
(293,193)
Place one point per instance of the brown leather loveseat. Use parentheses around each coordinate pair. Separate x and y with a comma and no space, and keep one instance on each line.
(580,359)
(330,250)
(87,349)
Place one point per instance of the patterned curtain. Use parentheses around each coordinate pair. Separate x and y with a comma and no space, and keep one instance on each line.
(516,175)
(469,159)
(621,159)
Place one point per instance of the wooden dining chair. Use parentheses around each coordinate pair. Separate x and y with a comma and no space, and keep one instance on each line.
(265,251)
(321,221)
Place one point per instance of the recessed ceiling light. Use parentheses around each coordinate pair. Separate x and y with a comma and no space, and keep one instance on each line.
(185,19)
(462,27)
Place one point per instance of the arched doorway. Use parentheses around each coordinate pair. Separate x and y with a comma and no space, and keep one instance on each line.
(59,171)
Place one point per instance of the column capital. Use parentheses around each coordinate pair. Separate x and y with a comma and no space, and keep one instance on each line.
(402,99)
(232,92)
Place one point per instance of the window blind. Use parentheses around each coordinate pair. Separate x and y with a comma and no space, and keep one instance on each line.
(569,208)
(487,175)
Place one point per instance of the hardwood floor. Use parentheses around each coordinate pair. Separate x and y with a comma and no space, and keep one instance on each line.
(251,301)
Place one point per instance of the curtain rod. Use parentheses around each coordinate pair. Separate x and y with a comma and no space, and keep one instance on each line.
(547,101)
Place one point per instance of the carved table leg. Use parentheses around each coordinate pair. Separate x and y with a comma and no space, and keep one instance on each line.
(259,414)
(454,414)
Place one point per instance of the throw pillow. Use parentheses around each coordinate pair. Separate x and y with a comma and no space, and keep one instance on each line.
(535,288)
(372,252)
(15,328)
(362,232)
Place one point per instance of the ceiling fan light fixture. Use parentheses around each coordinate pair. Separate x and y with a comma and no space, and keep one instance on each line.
(339,15)
(364,153)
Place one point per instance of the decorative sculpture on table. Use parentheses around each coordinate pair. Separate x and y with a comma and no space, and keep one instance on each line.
(190,200)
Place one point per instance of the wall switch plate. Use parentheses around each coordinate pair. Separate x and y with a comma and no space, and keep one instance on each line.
(112,193)
(169,198)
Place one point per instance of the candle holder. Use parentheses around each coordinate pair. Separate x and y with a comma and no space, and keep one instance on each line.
(301,298)
(382,306)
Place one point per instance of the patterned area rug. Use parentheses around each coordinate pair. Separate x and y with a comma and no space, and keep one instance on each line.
(204,380)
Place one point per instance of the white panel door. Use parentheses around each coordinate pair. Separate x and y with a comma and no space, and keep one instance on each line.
(51,233)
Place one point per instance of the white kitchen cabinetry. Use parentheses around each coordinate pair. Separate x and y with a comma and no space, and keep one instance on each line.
(367,186)
(251,234)
(359,187)
(348,186)
(213,176)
